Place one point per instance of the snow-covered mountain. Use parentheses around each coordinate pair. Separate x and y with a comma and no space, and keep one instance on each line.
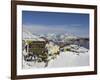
(61,50)
(59,39)
(50,36)
(27,35)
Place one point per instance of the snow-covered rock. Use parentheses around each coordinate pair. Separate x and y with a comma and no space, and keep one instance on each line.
(75,49)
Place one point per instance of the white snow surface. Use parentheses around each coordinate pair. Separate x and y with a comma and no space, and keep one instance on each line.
(69,59)
(65,59)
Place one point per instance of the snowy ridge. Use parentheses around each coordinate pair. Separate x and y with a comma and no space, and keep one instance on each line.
(59,37)
(27,35)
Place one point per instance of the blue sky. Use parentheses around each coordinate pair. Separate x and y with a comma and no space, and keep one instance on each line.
(54,22)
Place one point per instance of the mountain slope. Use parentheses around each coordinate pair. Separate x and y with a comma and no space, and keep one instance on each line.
(27,35)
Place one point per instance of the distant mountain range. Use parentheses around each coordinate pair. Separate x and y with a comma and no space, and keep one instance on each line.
(59,39)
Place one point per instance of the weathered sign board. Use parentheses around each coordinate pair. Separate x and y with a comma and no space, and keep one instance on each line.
(37,47)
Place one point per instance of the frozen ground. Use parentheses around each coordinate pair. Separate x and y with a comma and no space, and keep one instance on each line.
(65,59)
(70,59)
